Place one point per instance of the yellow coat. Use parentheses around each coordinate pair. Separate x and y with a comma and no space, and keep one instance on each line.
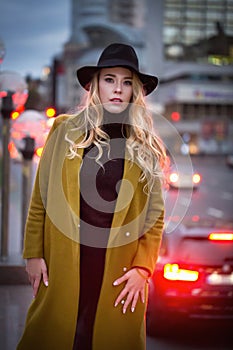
(52,232)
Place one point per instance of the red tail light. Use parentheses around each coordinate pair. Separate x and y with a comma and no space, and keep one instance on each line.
(173,272)
(221,236)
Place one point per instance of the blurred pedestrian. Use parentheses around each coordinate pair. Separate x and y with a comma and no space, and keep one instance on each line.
(96,216)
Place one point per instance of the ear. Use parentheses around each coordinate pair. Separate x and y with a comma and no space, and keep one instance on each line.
(87,86)
(144,90)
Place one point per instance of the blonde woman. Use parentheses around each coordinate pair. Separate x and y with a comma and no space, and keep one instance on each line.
(96,215)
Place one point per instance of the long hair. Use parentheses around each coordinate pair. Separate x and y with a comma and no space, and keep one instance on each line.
(143,145)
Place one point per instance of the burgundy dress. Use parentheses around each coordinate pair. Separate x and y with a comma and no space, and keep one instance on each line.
(99,191)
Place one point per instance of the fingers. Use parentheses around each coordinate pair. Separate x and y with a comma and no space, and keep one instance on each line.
(35,285)
(134,287)
(134,302)
(121,280)
(37,269)
(44,273)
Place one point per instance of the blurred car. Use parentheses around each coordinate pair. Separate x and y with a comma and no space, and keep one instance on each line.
(182,177)
(193,277)
(229,160)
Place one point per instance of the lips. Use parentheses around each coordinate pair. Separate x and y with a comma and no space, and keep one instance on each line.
(116,100)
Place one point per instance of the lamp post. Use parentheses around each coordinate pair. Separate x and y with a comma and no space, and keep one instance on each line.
(27,151)
(13,91)
(7,108)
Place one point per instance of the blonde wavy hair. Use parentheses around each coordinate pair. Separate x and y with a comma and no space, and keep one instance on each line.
(143,145)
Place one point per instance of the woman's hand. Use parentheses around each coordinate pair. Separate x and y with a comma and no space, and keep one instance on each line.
(36,268)
(134,288)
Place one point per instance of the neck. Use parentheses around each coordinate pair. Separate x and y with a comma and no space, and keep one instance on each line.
(116,118)
(114,123)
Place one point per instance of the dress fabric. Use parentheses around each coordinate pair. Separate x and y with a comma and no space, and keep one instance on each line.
(99,191)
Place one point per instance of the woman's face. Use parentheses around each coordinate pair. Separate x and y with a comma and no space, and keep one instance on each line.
(115,88)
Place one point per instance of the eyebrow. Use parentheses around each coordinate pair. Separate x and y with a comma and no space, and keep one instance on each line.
(113,75)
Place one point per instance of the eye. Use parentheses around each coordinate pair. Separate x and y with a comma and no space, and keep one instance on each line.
(108,80)
(128,82)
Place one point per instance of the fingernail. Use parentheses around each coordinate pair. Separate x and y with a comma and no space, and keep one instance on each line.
(115,283)
(124,311)
(132,309)
(115,304)
(46,283)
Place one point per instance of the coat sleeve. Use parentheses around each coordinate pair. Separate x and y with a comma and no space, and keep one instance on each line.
(149,242)
(34,228)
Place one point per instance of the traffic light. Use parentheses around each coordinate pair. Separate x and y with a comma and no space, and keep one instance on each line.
(16,113)
(50,112)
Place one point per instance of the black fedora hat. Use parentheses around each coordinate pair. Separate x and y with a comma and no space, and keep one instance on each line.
(117,55)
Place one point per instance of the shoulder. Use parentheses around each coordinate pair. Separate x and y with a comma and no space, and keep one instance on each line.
(67,121)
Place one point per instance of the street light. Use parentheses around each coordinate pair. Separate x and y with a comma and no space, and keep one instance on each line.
(13,89)
(7,108)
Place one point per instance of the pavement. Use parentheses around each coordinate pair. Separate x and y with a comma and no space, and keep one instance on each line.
(15,297)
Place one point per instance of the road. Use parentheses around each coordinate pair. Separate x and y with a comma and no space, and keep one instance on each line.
(214,197)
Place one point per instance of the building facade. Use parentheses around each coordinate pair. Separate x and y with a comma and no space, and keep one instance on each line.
(186,43)
(197,81)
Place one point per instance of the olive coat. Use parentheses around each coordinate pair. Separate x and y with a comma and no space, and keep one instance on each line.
(52,232)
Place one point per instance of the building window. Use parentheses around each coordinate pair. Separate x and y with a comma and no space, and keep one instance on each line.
(199,28)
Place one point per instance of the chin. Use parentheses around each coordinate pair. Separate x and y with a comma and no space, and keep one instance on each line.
(114,108)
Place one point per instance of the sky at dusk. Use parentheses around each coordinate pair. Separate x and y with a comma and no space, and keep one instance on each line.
(33,32)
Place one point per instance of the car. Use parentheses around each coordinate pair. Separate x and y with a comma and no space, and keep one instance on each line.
(180,174)
(193,278)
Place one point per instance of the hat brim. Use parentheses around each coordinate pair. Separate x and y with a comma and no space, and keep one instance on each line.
(85,75)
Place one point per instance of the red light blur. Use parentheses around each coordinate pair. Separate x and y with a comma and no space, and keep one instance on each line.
(3,94)
(173,272)
(221,236)
(195,218)
(12,150)
(175,116)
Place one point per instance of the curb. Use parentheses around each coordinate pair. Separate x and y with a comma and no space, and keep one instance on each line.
(13,274)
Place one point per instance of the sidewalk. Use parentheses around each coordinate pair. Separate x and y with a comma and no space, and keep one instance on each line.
(15,297)
(14,302)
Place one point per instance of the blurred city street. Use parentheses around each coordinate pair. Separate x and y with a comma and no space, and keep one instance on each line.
(188,45)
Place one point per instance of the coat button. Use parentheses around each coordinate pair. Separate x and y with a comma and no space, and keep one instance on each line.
(124,268)
(127,234)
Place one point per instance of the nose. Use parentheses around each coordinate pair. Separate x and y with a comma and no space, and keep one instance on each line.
(118,88)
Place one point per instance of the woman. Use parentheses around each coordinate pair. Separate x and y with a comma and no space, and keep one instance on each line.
(96,215)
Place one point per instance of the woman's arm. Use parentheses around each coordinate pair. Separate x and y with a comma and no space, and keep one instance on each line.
(147,253)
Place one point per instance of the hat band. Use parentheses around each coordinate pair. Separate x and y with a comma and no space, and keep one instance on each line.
(116,63)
